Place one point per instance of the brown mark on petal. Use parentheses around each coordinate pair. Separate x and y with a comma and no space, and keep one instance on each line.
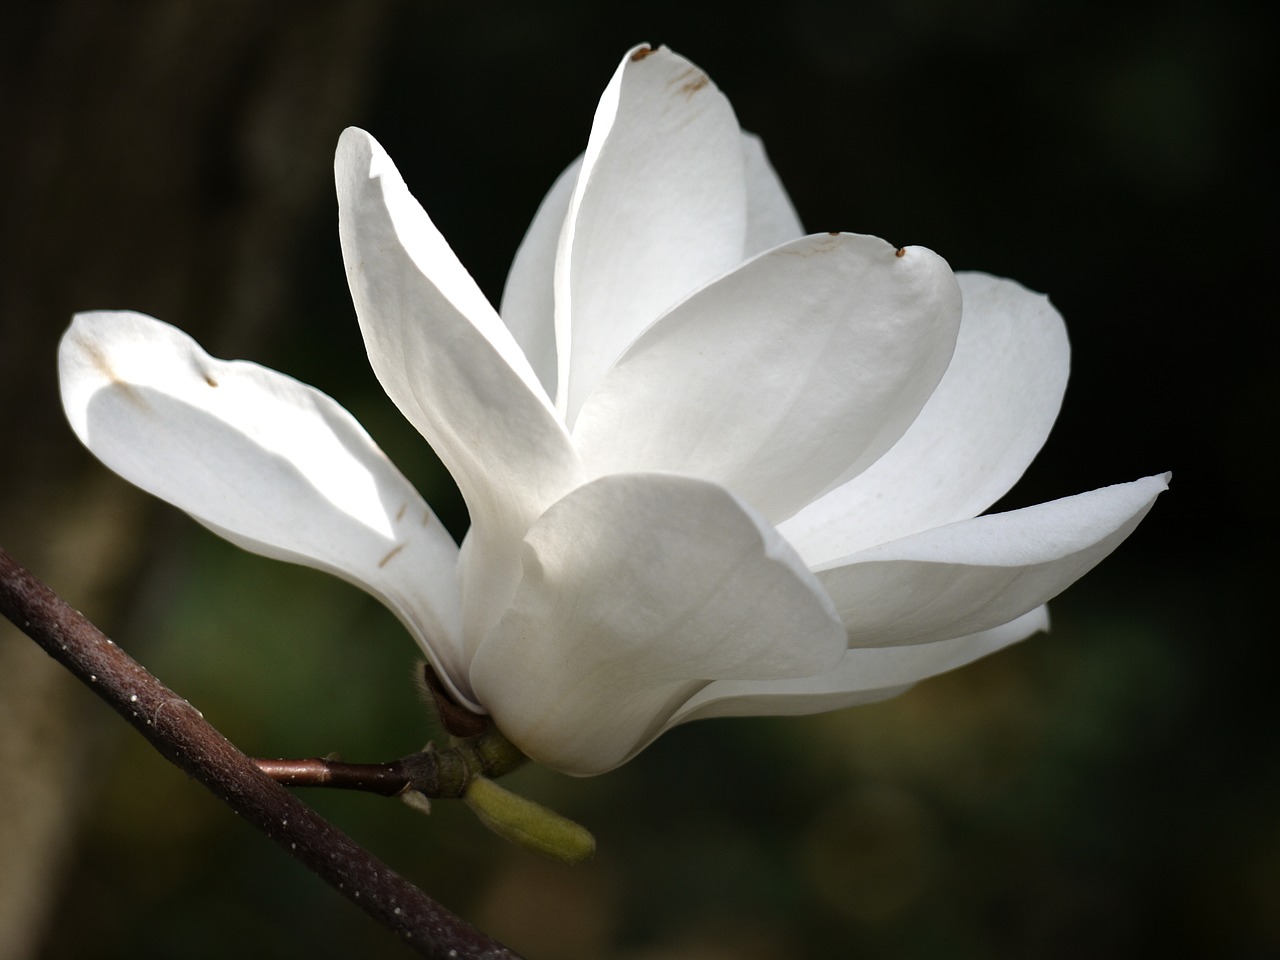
(400,512)
(103,364)
(833,233)
(641,54)
(100,361)
(210,381)
(817,245)
(693,86)
(390,553)
(900,252)
(691,81)
(426,518)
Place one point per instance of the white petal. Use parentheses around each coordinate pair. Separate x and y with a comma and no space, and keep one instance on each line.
(452,367)
(973,575)
(528,300)
(273,465)
(638,589)
(981,428)
(658,210)
(771,219)
(864,675)
(783,377)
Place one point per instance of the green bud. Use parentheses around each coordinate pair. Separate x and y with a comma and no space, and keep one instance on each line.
(529,824)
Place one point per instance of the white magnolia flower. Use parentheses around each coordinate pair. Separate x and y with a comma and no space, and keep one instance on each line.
(714,466)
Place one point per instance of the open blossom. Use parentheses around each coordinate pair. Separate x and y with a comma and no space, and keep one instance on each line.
(714,466)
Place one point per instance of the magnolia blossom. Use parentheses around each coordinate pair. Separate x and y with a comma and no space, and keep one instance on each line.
(714,466)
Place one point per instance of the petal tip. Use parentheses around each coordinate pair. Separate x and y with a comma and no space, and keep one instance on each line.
(357,153)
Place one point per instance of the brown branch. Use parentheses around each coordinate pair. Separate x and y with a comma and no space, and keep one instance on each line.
(182,736)
(435,772)
(386,779)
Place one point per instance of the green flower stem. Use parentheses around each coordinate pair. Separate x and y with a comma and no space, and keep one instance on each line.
(445,772)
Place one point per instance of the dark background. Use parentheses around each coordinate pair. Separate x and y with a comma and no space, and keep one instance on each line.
(1106,790)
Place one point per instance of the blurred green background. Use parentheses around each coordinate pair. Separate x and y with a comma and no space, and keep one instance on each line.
(1106,790)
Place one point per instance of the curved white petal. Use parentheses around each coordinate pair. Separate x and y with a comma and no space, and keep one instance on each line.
(273,465)
(636,590)
(658,210)
(974,438)
(783,377)
(976,574)
(771,218)
(452,367)
(528,299)
(864,675)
